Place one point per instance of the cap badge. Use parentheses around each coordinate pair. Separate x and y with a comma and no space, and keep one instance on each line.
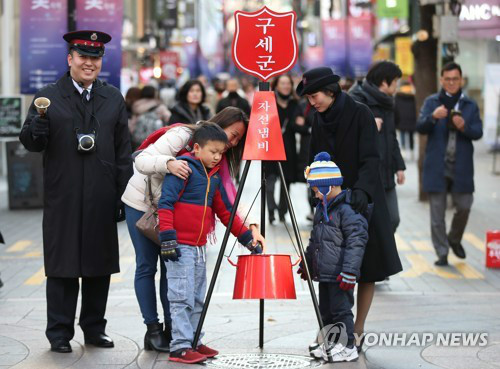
(93,37)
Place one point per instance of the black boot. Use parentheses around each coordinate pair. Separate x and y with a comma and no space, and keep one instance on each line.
(154,338)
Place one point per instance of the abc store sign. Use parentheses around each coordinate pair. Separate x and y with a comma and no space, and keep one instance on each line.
(479,12)
(480,17)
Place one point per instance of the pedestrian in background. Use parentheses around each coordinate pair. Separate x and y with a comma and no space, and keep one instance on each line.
(190,108)
(451,122)
(233,97)
(86,153)
(376,92)
(148,115)
(133,94)
(405,116)
(346,130)
(291,121)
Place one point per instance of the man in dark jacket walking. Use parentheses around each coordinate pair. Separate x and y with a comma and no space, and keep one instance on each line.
(377,91)
(451,121)
(233,98)
(86,153)
(347,131)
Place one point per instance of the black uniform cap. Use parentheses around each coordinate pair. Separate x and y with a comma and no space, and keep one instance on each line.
(89,43)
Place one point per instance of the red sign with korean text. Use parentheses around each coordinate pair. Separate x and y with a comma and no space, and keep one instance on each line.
(264,140)
(265,44)
(170,62)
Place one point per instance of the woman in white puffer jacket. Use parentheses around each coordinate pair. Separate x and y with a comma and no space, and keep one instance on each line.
(155,161)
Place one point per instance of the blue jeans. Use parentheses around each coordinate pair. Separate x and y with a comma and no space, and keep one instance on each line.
(187,285)
(147,254)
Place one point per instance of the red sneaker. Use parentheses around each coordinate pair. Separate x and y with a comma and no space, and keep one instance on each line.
(207,351)
(187,356)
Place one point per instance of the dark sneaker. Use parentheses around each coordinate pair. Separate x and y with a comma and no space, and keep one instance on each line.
(187,356)
(207,351)
(441,261)
(457,249)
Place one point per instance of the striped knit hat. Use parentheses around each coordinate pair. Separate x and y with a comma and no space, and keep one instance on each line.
(323,173)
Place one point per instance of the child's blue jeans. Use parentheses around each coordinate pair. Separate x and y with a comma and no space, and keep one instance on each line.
(187,285)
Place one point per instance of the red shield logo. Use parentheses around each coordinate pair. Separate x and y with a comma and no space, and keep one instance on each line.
(264,44)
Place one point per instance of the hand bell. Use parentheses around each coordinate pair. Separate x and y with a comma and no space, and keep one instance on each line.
(42,104)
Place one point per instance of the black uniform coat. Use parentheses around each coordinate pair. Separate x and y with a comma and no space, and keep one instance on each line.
(81,191)
(347,131)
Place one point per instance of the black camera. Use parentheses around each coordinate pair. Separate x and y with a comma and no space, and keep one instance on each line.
(86,142)
(450,124)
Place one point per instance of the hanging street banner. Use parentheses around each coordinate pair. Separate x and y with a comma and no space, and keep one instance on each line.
(43,59)
(360,45)
(334,45)
(264,140)
(105,16)
(264,44)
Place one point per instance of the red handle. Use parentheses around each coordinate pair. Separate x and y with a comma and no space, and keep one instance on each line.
(297,262)
(231,262)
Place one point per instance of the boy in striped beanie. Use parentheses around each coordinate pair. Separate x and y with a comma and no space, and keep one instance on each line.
(334,256)
(323,176)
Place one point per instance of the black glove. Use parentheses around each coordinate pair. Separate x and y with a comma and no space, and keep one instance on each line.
(302,271)
(254,249)
(39,126)
(120,212)
(359,201)
(170,250)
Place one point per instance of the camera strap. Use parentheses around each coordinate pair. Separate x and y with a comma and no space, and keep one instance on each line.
(87,116)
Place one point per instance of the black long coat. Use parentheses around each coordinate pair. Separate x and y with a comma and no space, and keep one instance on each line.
(352,146)
(405,112)
(81,191)
(382,106)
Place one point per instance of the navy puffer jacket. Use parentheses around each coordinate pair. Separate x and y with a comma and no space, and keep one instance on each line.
(337,245)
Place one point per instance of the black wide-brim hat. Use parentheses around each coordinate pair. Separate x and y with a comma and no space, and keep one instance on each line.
(90,43)
(314,79)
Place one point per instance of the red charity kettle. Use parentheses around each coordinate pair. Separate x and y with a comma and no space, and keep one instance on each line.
(264,276)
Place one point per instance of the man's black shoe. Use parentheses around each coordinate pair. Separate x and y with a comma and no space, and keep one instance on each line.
(457,249)
(60,345)
(101,340)
(441,261)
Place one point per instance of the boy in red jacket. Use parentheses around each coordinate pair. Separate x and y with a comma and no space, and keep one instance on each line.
(186,216)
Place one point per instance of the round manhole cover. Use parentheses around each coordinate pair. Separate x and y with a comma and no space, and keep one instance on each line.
(263,361)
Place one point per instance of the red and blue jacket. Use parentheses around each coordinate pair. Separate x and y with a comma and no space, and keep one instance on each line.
(186,206)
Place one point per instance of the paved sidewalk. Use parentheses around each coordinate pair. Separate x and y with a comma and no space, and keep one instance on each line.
(463,297)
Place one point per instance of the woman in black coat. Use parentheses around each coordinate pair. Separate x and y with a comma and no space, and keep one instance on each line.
(405,114)
(347,131)
(190,108)
(291,121)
